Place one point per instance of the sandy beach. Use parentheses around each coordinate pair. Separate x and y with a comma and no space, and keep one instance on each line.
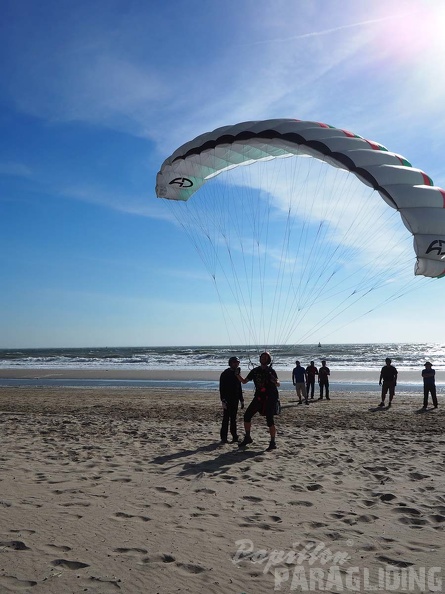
(129,490)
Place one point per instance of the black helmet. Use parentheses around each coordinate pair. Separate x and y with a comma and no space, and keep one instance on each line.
(269,358)
(233,359)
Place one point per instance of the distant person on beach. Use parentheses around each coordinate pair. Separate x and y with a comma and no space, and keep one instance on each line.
(429,385)
(299,379)
(388,381)
(265,400)
(323,380)
(231,393)
(311,371)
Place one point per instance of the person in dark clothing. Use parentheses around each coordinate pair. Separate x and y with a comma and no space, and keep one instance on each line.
(388,376)
(311,371)
(265,400)
(231,393)
(323,380)
(429,385)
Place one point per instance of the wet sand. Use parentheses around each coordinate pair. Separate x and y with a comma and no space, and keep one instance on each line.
(352,375)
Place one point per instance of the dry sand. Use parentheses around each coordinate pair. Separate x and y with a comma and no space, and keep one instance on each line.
(128,490)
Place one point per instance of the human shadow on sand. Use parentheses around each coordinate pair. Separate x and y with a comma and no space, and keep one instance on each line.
(220,464)
(184,453)
(215,465)
(422,411)
(379,408)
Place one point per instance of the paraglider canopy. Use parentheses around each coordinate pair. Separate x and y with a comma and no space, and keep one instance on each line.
(226,220)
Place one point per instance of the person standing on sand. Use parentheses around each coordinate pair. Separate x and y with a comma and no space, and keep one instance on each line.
(323,379)
(299,379)
(231,392)
(311,371)
(265,400)
(429,385)
(388,375)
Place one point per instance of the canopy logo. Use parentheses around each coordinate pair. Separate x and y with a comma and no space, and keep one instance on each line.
(182,182)
(438,245)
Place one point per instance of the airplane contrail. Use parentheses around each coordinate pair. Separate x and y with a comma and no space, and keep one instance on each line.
(328,31)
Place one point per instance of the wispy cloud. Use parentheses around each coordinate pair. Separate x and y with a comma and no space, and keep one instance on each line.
(15,169)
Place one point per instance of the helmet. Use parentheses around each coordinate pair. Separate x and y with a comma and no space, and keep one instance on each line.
(233,359)
(269,358)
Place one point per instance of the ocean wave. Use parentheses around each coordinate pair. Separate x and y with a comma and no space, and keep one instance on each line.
(358,357)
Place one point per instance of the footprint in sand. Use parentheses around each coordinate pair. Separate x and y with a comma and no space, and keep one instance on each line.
(229,477)
(70,491)
(367,518)
(394,562)
(337,515)
(13,545)
(23,531)
(124,516)
(50,548)
(134,551)
(386,497)
(69,564)
(417,476)
(376,468)
(13,583)
(204,515)
(297,488)
(412,511)
(302,503)
(314,487)
(315,525)
(437,518)
(32,503)
(190,567)
(413,522)
(159,558)
(105,585)
(252,498)
(420,547)
(165,490)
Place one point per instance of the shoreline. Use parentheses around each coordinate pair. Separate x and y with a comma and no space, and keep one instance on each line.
(165,374)
(353,381)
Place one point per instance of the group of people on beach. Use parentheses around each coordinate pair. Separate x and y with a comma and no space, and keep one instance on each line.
(266,398)
(388,381)
(303,379)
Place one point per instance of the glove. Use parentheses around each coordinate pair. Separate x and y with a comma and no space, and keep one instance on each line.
(224,404)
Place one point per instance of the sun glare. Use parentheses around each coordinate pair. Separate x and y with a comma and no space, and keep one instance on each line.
(416,34)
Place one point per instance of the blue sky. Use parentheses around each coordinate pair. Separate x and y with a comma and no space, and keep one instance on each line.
(95,95)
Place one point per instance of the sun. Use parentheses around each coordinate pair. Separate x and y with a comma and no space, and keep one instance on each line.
(416,33)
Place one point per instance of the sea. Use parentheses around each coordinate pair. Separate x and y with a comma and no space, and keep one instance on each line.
(339,357)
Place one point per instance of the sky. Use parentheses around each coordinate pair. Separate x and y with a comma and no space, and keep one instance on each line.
(95,94)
